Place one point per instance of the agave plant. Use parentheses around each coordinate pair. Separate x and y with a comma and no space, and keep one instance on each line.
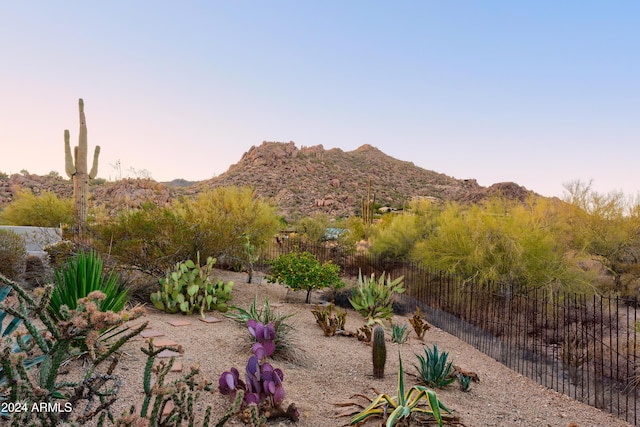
(399,333)
(373,299)
(434,369)
(404,405)
(465,382)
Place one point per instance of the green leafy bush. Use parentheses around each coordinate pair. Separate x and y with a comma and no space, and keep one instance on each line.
(434,369)
(373,299)
(78,278)
(302,270)
(12,253)
(189,287)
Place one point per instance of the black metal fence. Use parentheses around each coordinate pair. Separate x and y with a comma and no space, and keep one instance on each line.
(583,346)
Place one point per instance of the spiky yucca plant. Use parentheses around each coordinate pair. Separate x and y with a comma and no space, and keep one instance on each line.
(80,276)
(404,405)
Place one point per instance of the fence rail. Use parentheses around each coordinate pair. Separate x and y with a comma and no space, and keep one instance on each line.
(583,346)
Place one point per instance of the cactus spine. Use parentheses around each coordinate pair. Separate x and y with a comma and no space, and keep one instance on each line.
(379,352)
(76,169)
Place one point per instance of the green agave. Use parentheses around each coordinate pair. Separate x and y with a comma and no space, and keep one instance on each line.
(434,369)
(404,404)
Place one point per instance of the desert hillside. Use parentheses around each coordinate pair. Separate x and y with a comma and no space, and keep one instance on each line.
(300,180)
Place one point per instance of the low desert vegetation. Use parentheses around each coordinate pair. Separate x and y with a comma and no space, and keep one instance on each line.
(510,246)
(43,210)
(522,245)
(13,252)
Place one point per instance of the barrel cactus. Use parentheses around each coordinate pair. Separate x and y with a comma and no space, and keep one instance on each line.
(379,352)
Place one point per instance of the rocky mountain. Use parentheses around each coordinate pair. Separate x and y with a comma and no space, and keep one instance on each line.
(301,181)
(308,180)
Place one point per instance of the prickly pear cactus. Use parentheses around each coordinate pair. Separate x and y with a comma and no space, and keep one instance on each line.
(379,352)
(189,287)
(76,169)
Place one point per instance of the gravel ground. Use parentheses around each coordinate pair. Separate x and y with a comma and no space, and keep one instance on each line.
(332,369)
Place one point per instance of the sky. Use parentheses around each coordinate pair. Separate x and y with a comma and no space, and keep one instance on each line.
(541,93)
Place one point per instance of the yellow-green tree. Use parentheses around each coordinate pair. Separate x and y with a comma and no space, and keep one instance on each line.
(606,226)
(231,224)
(513,245)
(313,228)
(43,210)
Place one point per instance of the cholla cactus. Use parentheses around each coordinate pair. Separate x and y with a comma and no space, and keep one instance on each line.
(76,169)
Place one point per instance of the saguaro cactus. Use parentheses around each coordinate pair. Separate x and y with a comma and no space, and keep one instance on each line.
(76,168)
(367,207)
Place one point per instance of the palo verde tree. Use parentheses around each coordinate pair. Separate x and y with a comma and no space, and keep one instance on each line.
(607,227)
(76,169)
(510,244)
(230,224)
(43,210)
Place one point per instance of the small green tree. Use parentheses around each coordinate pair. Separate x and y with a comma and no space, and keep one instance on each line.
(302,270)
(44,210)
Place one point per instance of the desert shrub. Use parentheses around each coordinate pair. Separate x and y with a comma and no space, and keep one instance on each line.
(189,287)
(313,228)
(82,275)
(396,235)
(44,210)
(150,238)
(512,245)
(12,253)
(303,271)
(60,253)
(373,299)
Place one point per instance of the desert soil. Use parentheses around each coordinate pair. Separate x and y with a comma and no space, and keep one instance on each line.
(332,369)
